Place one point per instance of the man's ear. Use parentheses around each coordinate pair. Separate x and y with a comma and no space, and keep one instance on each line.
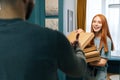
(25,1)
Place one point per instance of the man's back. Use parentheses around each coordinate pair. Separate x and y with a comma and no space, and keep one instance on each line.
(30,52)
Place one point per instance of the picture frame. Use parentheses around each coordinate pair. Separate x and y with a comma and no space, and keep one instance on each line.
(51,7)
(69,20)
(51,23)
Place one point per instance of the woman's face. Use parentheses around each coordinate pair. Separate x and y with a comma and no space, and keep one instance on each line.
(97,24)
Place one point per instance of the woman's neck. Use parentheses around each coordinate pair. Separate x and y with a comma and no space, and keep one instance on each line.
(98,34)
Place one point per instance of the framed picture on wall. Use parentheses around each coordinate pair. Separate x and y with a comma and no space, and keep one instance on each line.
(69,20)
(51,7)
(51,23)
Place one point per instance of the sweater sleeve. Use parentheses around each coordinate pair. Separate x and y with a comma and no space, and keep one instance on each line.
(70,63)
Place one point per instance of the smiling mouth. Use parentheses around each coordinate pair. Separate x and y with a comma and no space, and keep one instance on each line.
(96,27)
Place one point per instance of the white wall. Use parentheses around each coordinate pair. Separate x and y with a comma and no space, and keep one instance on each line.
(93,7)
(71,5)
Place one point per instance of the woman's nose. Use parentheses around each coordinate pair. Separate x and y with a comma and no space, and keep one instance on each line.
(96,23)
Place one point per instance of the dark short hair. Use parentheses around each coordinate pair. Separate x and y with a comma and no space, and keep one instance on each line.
(8,1)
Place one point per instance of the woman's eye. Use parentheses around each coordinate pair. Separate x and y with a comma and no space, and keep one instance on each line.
(99,22)
(94,21)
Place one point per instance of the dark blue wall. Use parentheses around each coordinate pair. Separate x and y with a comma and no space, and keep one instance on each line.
(38,14)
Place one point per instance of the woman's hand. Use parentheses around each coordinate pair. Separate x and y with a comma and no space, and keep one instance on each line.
(101,62)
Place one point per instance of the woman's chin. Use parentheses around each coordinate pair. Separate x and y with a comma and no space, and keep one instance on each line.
(96,31)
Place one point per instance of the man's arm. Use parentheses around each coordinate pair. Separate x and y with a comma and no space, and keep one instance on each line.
(70,61)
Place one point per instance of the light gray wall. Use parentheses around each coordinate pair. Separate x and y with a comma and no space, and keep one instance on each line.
(71,5)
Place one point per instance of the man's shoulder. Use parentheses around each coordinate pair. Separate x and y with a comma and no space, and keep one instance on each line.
(42,29)
(36,27)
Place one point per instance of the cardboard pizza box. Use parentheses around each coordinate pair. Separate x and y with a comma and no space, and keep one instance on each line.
(92,59)
(89,48)
(92,54)
(84,38)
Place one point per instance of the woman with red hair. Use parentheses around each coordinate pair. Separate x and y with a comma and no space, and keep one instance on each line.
(103,42)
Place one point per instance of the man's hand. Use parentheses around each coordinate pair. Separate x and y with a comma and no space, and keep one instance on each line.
(76,43)
(79,30)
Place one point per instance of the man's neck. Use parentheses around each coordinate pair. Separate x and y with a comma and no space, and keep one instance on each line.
(9,13)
